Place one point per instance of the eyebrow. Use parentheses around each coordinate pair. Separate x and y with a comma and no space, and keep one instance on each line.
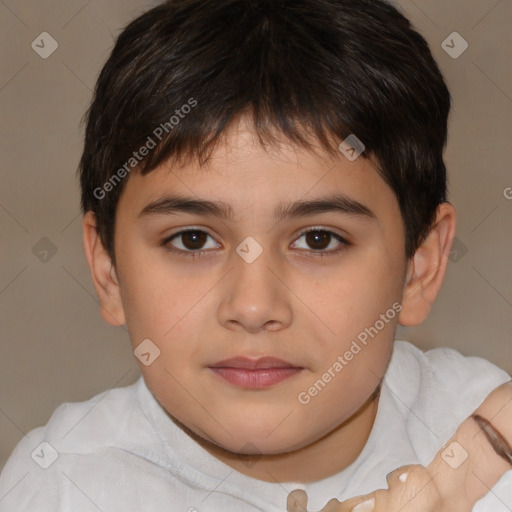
(171,205)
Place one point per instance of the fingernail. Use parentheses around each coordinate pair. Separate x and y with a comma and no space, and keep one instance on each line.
(365,506)
(403,477)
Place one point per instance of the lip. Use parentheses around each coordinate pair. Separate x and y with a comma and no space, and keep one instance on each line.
(254,373)
(247,363)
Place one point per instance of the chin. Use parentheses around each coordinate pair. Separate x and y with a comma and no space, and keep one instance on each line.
(259,442)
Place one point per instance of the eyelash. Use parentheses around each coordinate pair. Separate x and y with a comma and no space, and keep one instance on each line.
(199,254)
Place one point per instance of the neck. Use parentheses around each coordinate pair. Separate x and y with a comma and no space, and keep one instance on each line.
(310,463)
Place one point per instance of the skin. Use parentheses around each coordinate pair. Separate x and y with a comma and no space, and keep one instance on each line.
(474,468)
(288,303)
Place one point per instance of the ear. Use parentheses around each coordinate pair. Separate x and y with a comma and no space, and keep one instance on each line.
(427,268)
(103,273)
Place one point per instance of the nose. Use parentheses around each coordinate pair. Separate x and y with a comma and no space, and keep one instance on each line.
(255,295)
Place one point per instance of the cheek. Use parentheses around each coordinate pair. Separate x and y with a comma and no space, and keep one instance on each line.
(364,289)
(155,298)
(340,389)
(361,307)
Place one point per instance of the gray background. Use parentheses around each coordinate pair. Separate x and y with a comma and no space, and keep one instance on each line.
(54,345)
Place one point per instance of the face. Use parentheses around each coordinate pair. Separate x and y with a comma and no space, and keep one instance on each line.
(267,280)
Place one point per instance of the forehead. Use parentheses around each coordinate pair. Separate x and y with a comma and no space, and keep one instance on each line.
(243,176)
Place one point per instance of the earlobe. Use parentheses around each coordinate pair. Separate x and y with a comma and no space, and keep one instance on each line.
(103,273)
(427,268)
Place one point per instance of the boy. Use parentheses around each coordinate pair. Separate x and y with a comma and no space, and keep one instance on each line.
(301,143)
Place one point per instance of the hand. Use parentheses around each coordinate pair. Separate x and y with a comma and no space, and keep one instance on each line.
(462,472)
(407,485)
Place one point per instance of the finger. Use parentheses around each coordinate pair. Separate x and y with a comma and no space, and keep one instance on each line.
(408,490)
(418,490)
(333,506)
(297,501)
(367,505)
(405,484)
(373,502)
(398,476)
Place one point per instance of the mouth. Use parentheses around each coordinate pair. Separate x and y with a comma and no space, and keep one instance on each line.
(254,373)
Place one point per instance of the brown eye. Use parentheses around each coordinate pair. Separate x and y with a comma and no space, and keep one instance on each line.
(318,240)
(321,242)
(189,241)
(194,239)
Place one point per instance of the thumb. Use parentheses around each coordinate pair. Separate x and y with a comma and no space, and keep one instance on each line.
(297,501)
